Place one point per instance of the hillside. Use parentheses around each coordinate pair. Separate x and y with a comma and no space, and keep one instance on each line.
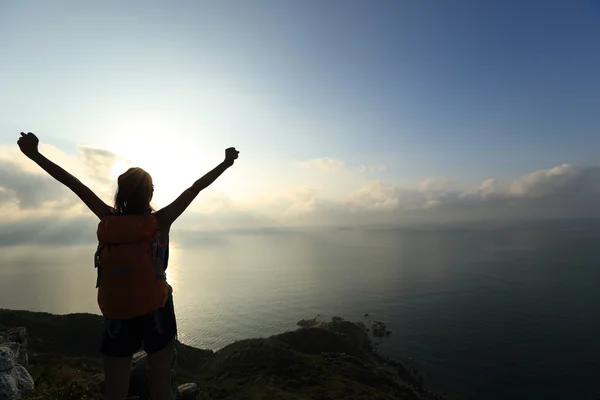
(332,360)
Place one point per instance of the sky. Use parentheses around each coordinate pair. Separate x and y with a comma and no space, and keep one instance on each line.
(344,112)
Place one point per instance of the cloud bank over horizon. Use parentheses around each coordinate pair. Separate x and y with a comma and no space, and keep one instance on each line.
(28,195)
(29,198)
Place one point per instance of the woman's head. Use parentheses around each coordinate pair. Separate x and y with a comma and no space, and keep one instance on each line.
(134,192)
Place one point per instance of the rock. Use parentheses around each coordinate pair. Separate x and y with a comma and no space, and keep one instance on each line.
(15,380)
(24,380)
(7,359)
(188,391)
(357,333)
(379,329)
(139,381)
(8,387)
(15,348)
(306,323)
(18,335)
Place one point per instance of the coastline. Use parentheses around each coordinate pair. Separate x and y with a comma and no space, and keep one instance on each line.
(320,360)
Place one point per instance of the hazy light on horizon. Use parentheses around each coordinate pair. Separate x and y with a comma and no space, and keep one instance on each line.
(395,112)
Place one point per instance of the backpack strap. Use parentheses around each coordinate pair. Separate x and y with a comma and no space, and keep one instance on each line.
(97,264)
(155,247)
(164,254)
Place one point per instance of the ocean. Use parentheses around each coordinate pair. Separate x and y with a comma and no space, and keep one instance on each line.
(510,313)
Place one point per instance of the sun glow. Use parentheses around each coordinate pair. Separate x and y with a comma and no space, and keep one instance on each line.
(156,145)
(118,168)
(165,173)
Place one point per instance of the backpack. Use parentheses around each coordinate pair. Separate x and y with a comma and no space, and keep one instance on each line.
(131,272)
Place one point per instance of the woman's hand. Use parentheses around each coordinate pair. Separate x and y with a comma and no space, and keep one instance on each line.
(170,213)
(231,154)
(28,143)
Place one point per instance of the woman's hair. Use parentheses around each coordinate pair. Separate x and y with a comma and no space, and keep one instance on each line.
(134,192)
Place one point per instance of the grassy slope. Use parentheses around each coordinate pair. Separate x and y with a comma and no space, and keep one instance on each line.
(306,364)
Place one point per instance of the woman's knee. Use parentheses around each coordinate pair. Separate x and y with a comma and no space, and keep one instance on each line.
(161,361)
(160,364)
(116,372)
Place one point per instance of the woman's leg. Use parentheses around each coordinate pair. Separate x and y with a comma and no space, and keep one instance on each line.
(116,373)
(120,340)
(160,332)
(160,364)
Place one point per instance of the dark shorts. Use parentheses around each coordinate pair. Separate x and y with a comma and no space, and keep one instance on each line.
(152,332)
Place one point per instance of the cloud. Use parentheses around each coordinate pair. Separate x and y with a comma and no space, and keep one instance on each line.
(98,163)
(29,190)
(5,196)
(487,188)
(25,187)
(323,164)
(435,185)
(332,165)
(562,179)
(563,191)
(371,169)
(375,196)
(51,230)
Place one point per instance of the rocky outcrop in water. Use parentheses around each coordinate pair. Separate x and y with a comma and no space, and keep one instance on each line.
(380,329)
(15,380)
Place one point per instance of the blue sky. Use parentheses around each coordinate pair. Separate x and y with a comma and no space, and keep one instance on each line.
(462,89)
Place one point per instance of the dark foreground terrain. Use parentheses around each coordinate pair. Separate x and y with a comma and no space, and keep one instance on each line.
(326,360)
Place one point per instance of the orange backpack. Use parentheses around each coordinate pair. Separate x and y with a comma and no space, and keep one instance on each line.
(131,273)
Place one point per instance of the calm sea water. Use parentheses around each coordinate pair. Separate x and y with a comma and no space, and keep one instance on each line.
(505,314)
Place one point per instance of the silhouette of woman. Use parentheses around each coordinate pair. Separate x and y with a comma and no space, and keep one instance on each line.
(136,300)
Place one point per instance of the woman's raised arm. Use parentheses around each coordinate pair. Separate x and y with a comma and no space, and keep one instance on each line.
(166,216)
(28,143)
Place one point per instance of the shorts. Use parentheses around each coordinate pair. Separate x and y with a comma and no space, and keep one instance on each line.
(152,332)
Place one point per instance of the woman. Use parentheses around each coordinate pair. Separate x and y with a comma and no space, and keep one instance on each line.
(133,294)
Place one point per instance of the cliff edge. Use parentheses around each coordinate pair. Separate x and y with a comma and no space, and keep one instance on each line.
(320,360)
